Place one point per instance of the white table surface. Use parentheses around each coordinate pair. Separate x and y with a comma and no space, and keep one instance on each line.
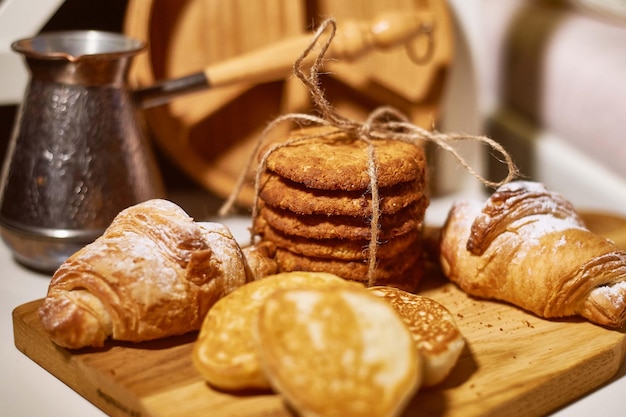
(27,390)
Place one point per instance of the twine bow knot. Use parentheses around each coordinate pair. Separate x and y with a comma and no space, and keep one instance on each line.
(382,123)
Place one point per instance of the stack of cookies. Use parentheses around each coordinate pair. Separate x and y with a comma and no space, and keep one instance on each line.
(315,206)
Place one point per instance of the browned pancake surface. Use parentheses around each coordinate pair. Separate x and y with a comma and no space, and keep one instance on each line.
(434,330)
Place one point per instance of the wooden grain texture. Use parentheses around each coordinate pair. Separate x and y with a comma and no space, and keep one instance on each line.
(514,363)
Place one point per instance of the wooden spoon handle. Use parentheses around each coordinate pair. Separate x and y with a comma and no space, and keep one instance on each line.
(353,39)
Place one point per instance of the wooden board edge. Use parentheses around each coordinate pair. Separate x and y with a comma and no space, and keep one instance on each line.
(539,401)
(526,400)
(94,387)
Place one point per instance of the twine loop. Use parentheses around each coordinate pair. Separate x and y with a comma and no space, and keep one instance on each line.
(382,123)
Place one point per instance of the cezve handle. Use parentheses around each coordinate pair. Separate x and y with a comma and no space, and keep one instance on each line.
(353,39)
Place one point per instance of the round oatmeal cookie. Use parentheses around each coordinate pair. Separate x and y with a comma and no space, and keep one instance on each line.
(314,226)
(337,162)
(282,193)
(343,249)
(404,271)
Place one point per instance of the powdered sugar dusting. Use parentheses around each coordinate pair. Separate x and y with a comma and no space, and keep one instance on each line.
(226,251)
(532,229)
(614,293)
(220,240)
(530,186)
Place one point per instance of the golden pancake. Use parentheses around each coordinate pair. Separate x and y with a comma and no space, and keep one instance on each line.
(224,352)
(339,352)
(434,330)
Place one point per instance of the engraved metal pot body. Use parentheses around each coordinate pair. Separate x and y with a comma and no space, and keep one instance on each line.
(77,156)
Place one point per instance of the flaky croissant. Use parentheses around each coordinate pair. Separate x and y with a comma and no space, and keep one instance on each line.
(528,246)
(153,273)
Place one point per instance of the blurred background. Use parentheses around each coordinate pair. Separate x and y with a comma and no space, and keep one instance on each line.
(545,78)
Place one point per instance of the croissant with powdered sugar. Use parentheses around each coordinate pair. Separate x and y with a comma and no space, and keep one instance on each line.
(527,246)
(154,273)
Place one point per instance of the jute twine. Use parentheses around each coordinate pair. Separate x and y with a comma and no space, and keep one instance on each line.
(382,123)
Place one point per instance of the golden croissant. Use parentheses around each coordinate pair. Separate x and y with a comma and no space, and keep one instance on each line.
(527,246)
(153,273)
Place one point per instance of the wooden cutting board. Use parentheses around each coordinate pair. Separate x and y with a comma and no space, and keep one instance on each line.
(514,363)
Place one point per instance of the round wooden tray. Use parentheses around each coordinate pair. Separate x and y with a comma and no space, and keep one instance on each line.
(211,134)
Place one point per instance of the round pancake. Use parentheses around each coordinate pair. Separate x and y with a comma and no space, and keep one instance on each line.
(434,330)
(224,352)
(363,365)
(344,249)
(337,162)
(405,221)
(282,193)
